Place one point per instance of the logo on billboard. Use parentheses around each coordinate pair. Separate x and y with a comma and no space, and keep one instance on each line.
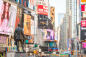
(41,9)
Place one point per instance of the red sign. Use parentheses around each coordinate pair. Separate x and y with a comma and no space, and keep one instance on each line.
(41,9)
(83,23)
(82,7)
(84,45)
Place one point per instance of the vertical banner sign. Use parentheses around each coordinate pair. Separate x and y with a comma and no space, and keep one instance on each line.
(27,24)
(52,15)
(18,17)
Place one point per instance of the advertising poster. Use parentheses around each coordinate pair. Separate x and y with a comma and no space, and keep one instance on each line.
(83,44)
(18,17)
(83,1)
(83,34)
(83,7)
(52,15)
(7,17)
(41,9)
(83,23)
(3,41)
(42,21)
(50,25)
(32,39)
(83,14)
(42,24)
(49,34)
(27,24)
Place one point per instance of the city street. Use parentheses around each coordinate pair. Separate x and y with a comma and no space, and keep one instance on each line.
(42,28)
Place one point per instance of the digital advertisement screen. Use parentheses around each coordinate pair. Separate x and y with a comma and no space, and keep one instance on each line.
(83,35)
(83,44)
(48,34)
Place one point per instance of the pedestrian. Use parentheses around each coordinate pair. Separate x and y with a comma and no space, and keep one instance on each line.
(19,37)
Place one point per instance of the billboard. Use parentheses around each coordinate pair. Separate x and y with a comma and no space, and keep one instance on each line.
(83,7)
(83,18)
(49,34)
(42,21)
(23,2)
(42,2)
(7,17)
(27,24)
(41,9)
(27,3)
(3,41)
(83,34)
(18,17)
(30,39)
(83,44)
(52,15)
(83,0)
(83,23)
(84,14)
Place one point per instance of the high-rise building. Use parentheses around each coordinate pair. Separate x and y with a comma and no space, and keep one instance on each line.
(62,34)
(72,18)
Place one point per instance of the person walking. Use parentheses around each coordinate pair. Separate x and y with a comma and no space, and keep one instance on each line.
(19,37)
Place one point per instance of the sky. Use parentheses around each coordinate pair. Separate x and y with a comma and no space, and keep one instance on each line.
(60,7)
